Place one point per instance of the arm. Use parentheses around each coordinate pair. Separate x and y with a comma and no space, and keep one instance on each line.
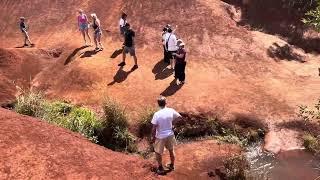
(180,55)
(153,133)
(154,128)
(176,117)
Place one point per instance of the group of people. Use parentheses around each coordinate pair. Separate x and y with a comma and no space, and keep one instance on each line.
(174,54)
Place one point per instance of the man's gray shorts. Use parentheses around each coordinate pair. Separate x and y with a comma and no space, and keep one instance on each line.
(130,50)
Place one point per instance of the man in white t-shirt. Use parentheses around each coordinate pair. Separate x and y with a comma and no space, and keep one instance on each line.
(162,133)
(171,46)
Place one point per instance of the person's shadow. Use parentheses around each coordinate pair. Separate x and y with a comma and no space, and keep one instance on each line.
(161,71)
(120,76)
(116,53)
(89,53)
(172,89)
(72,56)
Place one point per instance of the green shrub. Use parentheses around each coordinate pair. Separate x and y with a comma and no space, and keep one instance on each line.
(236,167)
(311,143)
(115,134)
(114,115)
(85,122)
(30,104)
(144,122)
(77,119)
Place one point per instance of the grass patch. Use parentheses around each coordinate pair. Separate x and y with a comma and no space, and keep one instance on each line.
(63,114)
(236,168)
(30,104)
(237,132)
(311,143)
(144,122)
(115,134)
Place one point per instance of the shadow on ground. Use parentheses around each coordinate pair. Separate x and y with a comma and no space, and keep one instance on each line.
(116,53)
(284,52)
(73,55)
(120,76)
(161,71)
(279,18)
(172,89)
(89,53)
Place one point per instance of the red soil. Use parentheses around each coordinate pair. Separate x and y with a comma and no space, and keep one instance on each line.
(33,149)
(230,70)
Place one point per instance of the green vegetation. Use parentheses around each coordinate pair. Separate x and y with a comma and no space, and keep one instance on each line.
(30,104)
(311,143)
(115,134)
(144,122)
(236,168)
(110,131)
(311,117)
(77,119)
(202,126)
(313,15)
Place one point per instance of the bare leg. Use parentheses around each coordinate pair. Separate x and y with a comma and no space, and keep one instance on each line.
(135,60)
(159,159)
(172,63)
(99,41)
(172,157)
(95,40)
(84,36)
(123,56)
(87,32)
(27,38)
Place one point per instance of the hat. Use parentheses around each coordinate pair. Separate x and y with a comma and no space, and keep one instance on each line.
(94,15)
(181,44)
(22,18)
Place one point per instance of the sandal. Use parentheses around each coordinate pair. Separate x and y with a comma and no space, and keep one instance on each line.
(170,166)
(160,171)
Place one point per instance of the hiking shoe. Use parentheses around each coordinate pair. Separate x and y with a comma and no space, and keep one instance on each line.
(122,64)
(160,171)
(25,45)
(96,49)
(134,67)
(170,166)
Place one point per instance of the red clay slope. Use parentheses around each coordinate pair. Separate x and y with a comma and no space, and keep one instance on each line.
(229,68)
(33,149)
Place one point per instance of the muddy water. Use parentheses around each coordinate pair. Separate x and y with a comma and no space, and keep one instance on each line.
(290,165)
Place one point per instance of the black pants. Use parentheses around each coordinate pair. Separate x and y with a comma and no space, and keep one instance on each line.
(166,58)
(179,71)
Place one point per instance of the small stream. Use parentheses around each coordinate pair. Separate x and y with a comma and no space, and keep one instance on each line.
(289,165)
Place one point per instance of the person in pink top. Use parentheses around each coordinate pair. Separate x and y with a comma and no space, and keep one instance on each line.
(83,25)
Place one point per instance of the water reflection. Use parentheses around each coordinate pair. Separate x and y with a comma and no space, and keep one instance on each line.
(290,165)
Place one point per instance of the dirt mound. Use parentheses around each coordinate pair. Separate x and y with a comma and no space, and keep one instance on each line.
(31,148)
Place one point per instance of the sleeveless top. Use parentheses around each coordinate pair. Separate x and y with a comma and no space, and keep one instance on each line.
(82,19)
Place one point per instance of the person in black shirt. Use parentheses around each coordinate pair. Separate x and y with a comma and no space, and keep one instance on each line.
(24,30)
(129,35)
(180,64)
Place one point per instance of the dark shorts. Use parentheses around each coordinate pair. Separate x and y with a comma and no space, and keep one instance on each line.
(98,33)
(122,30)
(170,54)
(130,50)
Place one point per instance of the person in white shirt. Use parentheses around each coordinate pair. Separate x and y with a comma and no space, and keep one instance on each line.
(122,23)
(171,46)
(162,133)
